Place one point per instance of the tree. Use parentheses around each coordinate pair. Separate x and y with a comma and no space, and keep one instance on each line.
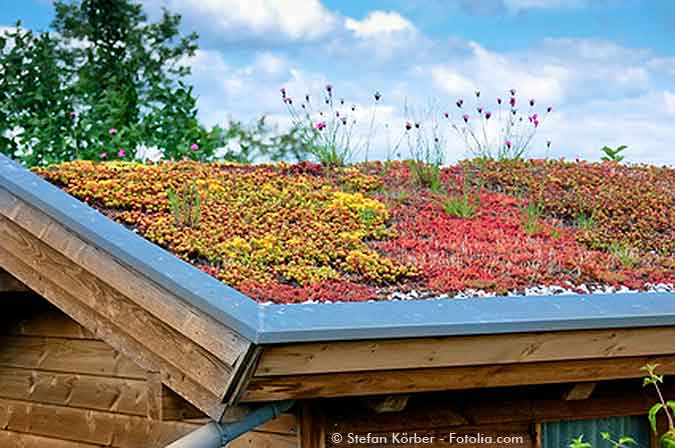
(103,82)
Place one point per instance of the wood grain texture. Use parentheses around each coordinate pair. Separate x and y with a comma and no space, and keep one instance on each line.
(196,325)
(89,357)
(11,439)
(115,336)
(579,391)
(355,356)
(49,322)
(312,425)
(159,338)
(449,378)
(76,390)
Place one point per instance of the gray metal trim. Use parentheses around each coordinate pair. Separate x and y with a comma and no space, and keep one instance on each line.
(273,324)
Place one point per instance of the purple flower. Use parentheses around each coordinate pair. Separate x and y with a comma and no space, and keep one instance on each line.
(513,92)
(377,96)
(73,114)
(512,101)
(535,116)
(112,131)
(103,155)
(329,88)
(488,115)
(465,117)
(408,126)
(532,102)
(536,123)
(337,113)
(549,109)
(508,143)
(194,147)
(121,153)
(459,102)
(499,101)
(321,125)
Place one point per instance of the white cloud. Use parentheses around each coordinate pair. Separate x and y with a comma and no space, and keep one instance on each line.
(270,21)
(380,24)
(669,100)
(543,4)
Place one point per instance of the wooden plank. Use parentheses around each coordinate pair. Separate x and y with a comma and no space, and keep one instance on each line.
(196,325)
(77,390)
(579,391)
(49,323)
(115,336)
(10,284)
(66,355)
(449,378)
(312,425)
(175,407)
(88,426)
(11,439)
(160,339)
(154,395)
(354,356)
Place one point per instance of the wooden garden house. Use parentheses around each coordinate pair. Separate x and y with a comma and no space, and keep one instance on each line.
(107,340)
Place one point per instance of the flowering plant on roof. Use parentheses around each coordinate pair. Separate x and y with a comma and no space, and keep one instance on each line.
(504,133)
(330,127)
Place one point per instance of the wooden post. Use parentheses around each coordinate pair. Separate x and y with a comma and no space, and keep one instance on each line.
(311,420)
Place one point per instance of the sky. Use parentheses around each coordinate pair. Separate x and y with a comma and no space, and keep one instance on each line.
(607,67)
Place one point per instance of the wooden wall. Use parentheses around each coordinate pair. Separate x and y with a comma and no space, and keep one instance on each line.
(60,387)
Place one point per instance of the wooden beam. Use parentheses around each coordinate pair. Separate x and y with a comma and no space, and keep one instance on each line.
(312,426)
(10,284)
(45,322)
(449,378)
(222,342)
(579,391)
(114,335)
(356,356)
(11,439)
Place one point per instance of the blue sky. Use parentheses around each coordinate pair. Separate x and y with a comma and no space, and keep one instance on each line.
(606,66)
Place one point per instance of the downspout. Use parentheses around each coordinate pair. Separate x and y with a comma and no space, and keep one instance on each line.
(217,435)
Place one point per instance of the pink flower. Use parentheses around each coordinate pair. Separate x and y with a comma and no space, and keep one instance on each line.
(321,125)
(112,131)
(329,88)
(103,155)
(488,115)
(512,101)
(466,118)
(194,147)
(536,123)
(535,116)
(508,143)
(73,114)
(121,153)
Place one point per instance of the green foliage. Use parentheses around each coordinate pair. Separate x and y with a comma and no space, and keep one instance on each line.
(425,174)
(625,254)
(622,442)
(613,154)
(585,222)
(185,205)
(579,443)
(106,84)
(531,215)
(460,206)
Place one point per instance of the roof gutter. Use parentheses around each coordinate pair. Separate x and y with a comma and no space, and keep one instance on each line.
(216,435)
